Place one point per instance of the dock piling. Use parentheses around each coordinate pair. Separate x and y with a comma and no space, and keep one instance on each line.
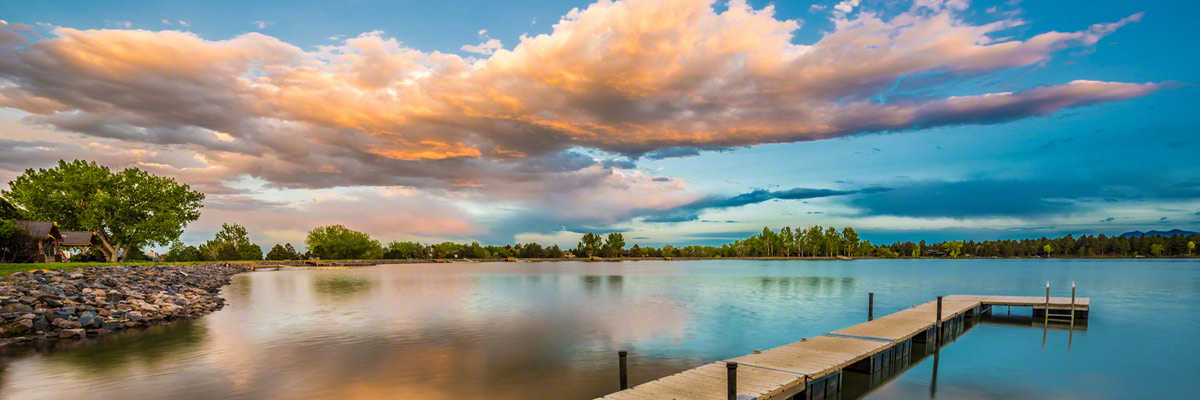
(1072,304)
(938,325)
(624,370)
(732,379)
(871,306)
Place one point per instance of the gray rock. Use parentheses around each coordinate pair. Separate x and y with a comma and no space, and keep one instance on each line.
(72,334)
(18,308)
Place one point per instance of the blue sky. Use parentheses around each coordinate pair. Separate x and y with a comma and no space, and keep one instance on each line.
(1110,160)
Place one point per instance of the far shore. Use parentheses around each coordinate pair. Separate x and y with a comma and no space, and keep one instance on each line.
(8,269)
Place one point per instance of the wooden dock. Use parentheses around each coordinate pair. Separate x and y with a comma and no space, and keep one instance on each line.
(812,368)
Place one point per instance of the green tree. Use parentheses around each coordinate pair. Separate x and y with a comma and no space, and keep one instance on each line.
(15,244)
(851,237)
(181,253)
(1191,246)
(833,241)
(1048,249)
(1156,249)
(589,245)
(614,245)
(953,248)
(282,252)
(404,251)
(231,243)
(126,209)
(7,211)
(336,242)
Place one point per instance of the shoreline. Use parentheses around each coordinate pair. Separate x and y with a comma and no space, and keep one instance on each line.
(94,301)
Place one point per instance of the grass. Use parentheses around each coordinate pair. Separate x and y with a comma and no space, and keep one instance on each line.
(9,269)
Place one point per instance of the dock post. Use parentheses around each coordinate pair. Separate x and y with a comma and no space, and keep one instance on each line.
(1072,304)
(731,367)
(624,370)
(937,341)
(1046,312)
(871,306)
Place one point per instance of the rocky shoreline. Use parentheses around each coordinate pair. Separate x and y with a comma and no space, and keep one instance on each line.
(74,304)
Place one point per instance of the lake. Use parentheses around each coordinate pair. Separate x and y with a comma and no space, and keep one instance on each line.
(552,330)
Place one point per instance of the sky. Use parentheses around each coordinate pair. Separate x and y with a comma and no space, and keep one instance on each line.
(672,121)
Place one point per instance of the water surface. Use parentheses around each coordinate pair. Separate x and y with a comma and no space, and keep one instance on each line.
(552,330)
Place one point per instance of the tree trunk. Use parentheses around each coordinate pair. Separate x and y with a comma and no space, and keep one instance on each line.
(110,254)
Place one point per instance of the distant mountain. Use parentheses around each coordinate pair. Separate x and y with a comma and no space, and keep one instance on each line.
(1173,232)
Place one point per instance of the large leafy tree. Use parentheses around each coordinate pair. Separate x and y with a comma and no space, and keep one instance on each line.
(589,245)
(232,242)
(336,242)
(614,245)
(127,208)
(283,252)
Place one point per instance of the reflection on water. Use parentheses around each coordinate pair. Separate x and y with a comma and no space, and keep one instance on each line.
(552,331)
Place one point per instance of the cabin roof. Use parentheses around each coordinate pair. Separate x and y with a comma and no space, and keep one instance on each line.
(77,238)
(41,229)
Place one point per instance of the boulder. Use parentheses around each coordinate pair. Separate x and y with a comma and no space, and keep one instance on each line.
(18,308)
(72,334)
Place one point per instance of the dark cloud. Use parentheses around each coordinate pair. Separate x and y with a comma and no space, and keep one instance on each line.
(1015,198)
(619,164)
(691,211)
(680,152)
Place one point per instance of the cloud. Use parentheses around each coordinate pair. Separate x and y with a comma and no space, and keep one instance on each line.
(184,23)
(633,78)
(166,22)
(846,6)
(262,24)
(488,46)
(1010,198)
(691,211)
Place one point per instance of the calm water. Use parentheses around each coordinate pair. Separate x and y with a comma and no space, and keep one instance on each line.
(552,330)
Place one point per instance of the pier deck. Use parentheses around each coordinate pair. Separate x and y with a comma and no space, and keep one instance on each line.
(816,363)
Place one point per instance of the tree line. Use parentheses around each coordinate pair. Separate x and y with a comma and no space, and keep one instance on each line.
(130,209)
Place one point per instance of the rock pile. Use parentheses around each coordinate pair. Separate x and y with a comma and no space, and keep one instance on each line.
(95,301)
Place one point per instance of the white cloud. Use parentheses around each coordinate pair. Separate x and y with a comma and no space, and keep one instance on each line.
(262,24)
(488,47)
(165,22)
(846,6)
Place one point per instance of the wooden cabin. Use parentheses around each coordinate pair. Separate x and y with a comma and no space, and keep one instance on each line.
(45,239)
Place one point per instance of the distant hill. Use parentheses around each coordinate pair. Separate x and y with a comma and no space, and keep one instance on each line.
(1173,232)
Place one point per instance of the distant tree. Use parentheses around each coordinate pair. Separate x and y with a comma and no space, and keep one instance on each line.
(554,252)
(231,243)
(589,245)
(1156,249)
(336,242)
(126,209)
(281,253)
(953,248)
(404,251)
(1048,249)
(1191,246)
(851,239)
(181,253)
(478,252)
(614,245)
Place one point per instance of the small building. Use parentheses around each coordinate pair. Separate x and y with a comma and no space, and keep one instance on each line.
(44,240)
(568,254)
